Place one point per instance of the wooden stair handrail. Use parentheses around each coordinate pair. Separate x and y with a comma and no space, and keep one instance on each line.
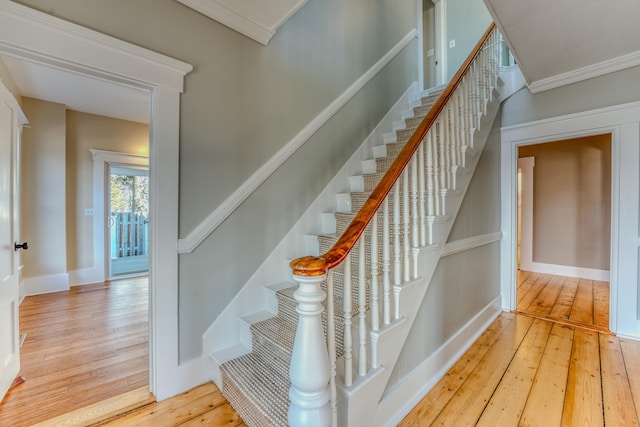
(317,266)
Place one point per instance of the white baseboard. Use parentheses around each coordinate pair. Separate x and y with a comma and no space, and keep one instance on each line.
(568,271)
(45,284)
(86,276)
(399,401)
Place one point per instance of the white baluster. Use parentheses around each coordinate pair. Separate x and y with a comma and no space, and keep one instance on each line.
(309,369)
(386,262)
(348,341)
(397,257)
(375,302)
(362,308)
(431,173)
(422,193)
(415,243)
(331,347)
(406,225)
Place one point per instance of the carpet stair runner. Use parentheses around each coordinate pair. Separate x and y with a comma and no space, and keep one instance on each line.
(257,384)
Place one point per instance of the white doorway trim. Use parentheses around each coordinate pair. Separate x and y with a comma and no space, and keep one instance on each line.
(38,37)
(441,41)
(526,164)
(623,123)
(101,161)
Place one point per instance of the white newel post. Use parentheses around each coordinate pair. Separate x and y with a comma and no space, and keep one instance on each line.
(309,370)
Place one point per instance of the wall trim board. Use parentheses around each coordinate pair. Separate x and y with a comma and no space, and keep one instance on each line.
(226,208)
(469,243)
(39,37)
(570,271)
(398,402)
(623,123)
(248,17)
(588,72)
(44,284)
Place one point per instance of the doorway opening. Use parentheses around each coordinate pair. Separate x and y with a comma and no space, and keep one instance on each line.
(128,221)
(564,231)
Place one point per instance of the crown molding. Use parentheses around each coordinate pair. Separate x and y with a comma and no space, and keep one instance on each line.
(588,72)
(253,18)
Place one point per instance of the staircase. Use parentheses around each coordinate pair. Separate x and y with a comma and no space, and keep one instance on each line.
(373,296)
(257,384)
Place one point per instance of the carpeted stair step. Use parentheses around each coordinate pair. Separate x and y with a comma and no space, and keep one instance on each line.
(259,393)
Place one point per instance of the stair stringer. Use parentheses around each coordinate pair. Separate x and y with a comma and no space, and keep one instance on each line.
(355,403)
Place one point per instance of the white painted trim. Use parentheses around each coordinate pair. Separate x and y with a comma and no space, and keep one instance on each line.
(85,276)
(36,36)
(526,165)
(101,161)
(594,70)
(118,61)
(248,16)
(45,284)
(462,245)
(399,401)
(623,123)
(215,218)
(441,42)
(570,271)
(226,331)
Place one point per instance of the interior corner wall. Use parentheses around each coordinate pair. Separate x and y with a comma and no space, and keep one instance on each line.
(464,283)
(42,195)
(84,132)
(572,202)
(466,21)
(7,81)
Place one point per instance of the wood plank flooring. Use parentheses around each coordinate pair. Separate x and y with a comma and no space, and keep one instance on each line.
(82,346)
(525,371)
(522,371)
(568,300)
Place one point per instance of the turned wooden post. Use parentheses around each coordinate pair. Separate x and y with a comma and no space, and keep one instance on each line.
(310,369)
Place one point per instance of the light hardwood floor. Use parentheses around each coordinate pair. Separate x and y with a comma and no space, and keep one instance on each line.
(569,300)
(82,346)
(525,371)
(522,371)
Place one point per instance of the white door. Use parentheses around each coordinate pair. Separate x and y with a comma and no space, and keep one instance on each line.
(10,122)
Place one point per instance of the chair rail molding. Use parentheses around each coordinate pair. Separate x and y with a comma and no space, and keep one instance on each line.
(217,217)
(255,19)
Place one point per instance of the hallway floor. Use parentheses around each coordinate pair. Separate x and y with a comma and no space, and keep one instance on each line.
(82,346)
(578,302)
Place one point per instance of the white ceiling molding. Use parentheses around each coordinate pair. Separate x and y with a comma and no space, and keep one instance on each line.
(588,72)
(256,19)
(557,43)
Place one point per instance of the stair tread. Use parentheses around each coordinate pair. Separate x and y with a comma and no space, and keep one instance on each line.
(259,386)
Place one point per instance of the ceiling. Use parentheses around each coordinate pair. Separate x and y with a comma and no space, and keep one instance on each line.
(554,42)
(560,42)
(78,92)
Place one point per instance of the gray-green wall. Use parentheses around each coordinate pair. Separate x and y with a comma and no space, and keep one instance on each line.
(466,21)
(242,103)
(464,283)
(611,89)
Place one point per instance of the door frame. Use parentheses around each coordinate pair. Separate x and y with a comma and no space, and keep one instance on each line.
(38,37)
(622,123)
(102,161)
